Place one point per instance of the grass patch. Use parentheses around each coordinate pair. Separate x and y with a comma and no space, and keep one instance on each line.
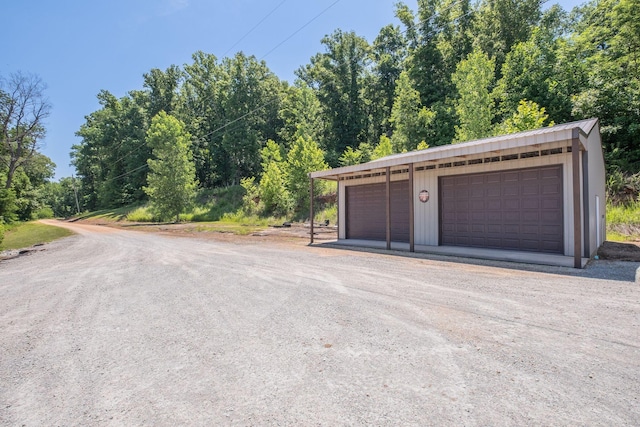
(23,235)
(227,227)
(141,214)
(623,222)
(114,214)
(329,213)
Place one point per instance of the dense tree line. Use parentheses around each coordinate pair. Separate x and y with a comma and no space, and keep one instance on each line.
(453,70)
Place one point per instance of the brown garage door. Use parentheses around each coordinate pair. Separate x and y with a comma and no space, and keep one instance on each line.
(366,211)
(515,209)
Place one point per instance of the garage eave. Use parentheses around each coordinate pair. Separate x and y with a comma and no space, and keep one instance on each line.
(533,138)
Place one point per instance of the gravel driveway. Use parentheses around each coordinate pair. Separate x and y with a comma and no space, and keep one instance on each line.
(113,327)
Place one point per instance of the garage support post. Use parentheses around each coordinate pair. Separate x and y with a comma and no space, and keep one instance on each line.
(311,210)
(411,213)
(388,204)
(577,217)
(338,206)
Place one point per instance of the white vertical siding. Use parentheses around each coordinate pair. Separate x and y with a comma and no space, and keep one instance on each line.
(596,181)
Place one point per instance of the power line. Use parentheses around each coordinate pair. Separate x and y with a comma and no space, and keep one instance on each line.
(254,27)
(300,29)
(146,165)
(240,118)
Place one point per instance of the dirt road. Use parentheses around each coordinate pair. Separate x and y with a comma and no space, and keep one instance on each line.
(112,327)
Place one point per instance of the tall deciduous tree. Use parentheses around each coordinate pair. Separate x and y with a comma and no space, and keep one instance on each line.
(171,179)
(111,159)
(607,42)
(338,76)
(23,109)
(473,78)
(304,156)
(410,119)
(529,115)
(301,115)
(272,186)
(162,87)
(500,24)
(389,51)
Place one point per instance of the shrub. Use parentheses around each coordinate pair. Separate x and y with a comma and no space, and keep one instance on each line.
(251,197)
(44,213)
(142,214)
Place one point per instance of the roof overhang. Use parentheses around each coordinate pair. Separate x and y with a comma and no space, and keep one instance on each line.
(533,138)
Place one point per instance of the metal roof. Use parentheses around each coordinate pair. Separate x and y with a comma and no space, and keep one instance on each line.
(540,136)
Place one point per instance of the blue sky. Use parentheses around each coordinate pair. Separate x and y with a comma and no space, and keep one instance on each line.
(81,47)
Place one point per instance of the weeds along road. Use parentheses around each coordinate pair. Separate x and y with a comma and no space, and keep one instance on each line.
(112,327)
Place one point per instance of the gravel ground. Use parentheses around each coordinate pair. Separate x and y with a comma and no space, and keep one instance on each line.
(113,327)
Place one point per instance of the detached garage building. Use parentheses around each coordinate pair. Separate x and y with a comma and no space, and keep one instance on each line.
(515,196)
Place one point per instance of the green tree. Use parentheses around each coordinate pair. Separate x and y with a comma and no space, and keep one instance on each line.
(362,154)
(389,51)
(28,186)
(528,116)
(171,179)
(162,90)
(272,186)
(23,109)
(305,156)
(301,115)
(473,78)
(439,37)
(251,102)
(60,197)
(531,71)
(202,111)
(410,119)
(111,160)
(230,107)
(383,149)
(606,42)
(501,24)
(338,75)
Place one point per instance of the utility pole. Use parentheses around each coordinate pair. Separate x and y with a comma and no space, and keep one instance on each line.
(75,192)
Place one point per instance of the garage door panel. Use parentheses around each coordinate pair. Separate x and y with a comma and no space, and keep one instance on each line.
(529,175)
(530,188)
(478,216)
(511,216)
(522,210)
(551,173)
(494,204)
(493,192)
(510,176)
(512,204)
(366,211)
(530,203)
(476,241)
(551,189)
(494,228)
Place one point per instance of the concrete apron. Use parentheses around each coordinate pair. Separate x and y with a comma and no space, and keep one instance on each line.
(480,253)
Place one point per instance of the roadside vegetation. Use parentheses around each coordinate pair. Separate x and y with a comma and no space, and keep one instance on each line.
(623,206)
(25,234)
